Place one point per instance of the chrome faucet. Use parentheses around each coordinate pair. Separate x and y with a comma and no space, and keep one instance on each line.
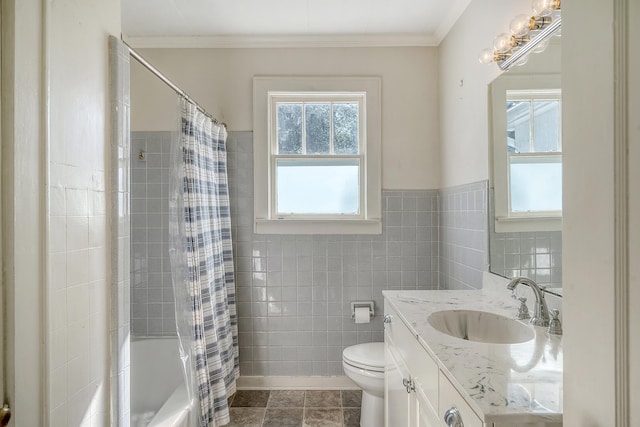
(540,311)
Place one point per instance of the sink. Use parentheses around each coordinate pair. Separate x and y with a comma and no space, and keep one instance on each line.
(480,326)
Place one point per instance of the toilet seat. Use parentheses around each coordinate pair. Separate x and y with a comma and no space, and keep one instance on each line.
(368,356)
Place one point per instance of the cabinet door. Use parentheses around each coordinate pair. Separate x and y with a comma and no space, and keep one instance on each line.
(450,398)
(397,402)
(425,414)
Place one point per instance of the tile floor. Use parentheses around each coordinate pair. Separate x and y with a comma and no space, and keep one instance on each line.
(296,408)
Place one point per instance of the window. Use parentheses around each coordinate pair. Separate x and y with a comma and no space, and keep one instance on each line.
(534,152)
(527,159)
(317,155)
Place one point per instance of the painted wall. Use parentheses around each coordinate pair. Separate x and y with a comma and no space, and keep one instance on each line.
(589,252)
(634,204)
(464,133)
(221,80)
(589,275)
(78,286)
(22,211)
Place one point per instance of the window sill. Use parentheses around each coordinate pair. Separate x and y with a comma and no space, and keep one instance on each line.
(525,224)
(305,226)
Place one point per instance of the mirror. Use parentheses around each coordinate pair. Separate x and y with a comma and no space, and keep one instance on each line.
(526,243)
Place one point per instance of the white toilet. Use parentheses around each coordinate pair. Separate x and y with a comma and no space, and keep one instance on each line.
(364,364)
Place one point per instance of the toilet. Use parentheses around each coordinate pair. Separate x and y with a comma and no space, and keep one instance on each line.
(364,365)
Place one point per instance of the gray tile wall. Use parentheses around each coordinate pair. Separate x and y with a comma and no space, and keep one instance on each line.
(463,236)
(152,306)
(537,255)
(294,291)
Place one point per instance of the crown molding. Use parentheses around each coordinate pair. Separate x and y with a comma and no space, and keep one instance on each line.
(282,41)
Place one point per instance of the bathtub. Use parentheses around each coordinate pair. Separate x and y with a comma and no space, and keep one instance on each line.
(158,392)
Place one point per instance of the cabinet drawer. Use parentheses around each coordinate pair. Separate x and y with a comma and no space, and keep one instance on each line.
(421,366)
(449,398)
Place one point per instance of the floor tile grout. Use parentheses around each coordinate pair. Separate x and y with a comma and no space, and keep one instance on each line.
(309,414)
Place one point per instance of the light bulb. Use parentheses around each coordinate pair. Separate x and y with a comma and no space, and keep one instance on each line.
(520,62)
(542,7)
(541,47)
(486,56)
(520,25)
(545,7)
(502,43)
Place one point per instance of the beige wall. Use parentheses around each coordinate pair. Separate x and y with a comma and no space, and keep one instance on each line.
(221,80)
(464,134)
(592,255)
(23,211)
(634,205)
(588,227)
(77,293)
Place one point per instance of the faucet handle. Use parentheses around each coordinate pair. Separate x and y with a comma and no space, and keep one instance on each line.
(523,310)
(555,327)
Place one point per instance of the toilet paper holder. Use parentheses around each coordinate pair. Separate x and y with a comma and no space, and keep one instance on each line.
(358,304)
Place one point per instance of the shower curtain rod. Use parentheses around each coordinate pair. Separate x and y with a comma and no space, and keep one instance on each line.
(169,83)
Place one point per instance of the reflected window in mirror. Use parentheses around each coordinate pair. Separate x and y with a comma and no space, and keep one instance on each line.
(534,254)
(534,153)
(527,153)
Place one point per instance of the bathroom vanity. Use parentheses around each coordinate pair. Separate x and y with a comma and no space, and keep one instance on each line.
(514,380)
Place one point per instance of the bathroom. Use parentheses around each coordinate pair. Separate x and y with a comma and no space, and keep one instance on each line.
(444,86)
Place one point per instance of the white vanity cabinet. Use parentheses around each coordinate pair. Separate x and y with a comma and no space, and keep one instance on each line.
(417,394)
(412,378)
(431,376)
(398,403)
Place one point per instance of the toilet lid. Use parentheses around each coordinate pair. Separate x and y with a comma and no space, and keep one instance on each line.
(366,356)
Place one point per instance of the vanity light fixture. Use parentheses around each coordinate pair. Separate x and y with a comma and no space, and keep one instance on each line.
(529,33)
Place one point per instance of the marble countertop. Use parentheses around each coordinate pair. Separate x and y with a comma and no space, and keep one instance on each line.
(515,383)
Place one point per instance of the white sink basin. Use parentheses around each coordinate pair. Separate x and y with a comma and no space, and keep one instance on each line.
(480,326)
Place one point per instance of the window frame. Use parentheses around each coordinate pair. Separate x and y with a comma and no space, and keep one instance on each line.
(267,90)
(539,86)
(316,98)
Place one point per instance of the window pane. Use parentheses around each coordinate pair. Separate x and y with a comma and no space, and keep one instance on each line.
(345,128)
(318,186)
(289,128)
(518,126)
(317,124)
(536,183)
(546,126)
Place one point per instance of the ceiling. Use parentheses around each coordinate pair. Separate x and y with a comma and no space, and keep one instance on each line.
(198,23)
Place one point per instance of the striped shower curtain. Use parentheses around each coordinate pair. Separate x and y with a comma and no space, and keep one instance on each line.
(202,266)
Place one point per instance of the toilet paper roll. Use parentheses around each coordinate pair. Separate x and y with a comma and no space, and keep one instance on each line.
(362,315)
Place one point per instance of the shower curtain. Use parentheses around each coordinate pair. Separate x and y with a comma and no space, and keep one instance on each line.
(202,266)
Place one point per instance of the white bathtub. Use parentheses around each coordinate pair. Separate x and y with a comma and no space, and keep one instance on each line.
(158,392)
